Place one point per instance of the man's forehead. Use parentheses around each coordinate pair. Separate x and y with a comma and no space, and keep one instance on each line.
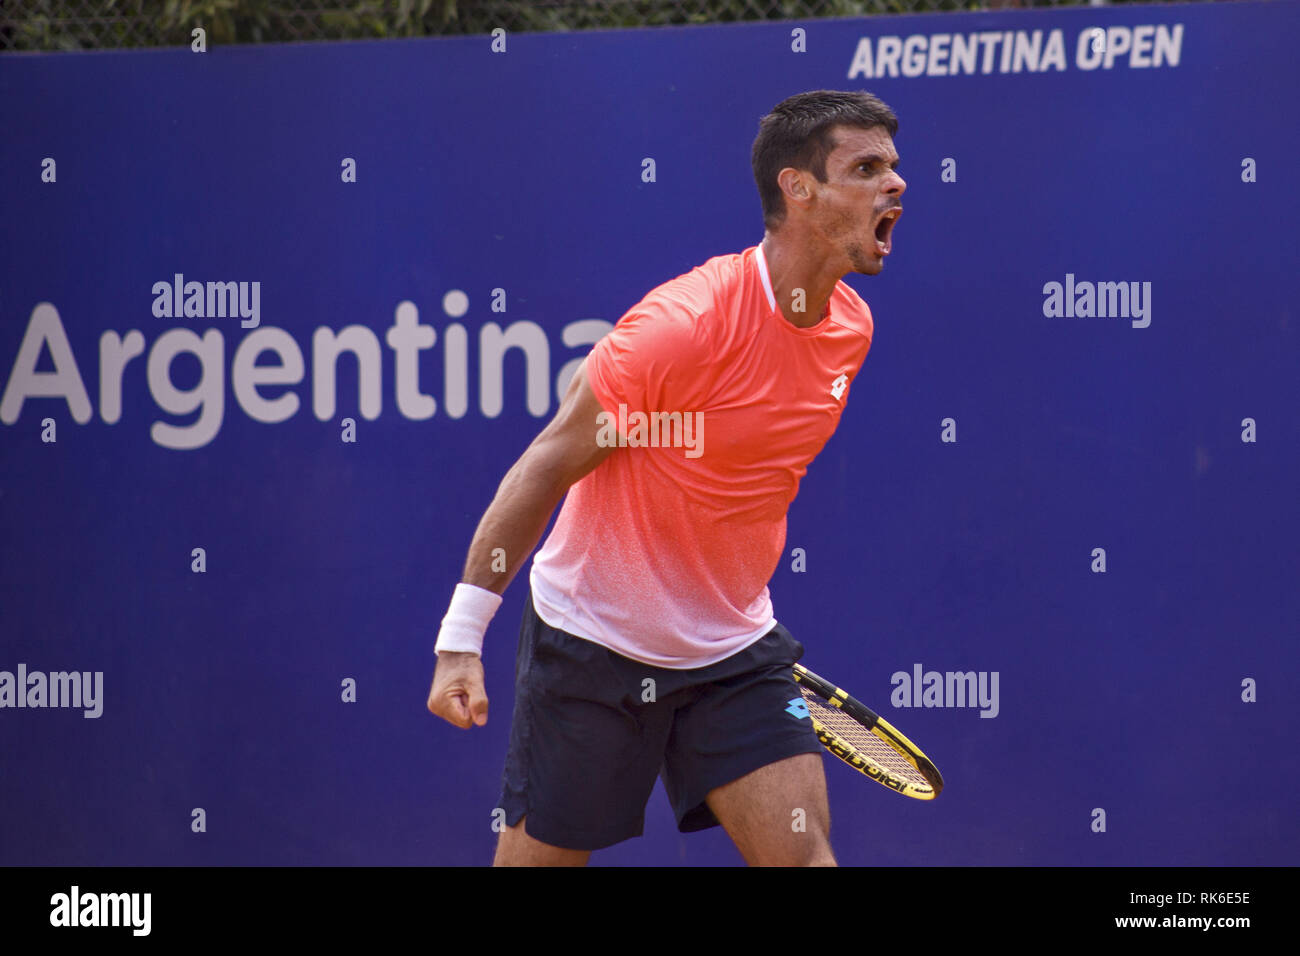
(852,140)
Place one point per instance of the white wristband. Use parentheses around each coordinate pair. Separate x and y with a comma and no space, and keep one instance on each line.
(467,620)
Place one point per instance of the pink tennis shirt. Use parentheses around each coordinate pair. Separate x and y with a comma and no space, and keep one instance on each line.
(663,552)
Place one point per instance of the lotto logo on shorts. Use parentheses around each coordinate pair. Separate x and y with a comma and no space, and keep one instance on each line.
(797,707)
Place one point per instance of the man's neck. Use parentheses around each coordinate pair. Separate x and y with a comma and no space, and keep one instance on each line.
(801,285)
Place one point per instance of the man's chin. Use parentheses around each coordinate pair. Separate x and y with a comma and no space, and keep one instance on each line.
(866,263)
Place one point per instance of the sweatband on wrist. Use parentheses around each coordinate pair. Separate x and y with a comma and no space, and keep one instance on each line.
(467,620)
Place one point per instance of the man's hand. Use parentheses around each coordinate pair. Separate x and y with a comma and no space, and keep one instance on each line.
(457,694)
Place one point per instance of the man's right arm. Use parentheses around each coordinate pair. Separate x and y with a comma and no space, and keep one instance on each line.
(564,452)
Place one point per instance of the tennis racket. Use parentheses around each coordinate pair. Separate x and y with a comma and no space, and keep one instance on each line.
(866,741)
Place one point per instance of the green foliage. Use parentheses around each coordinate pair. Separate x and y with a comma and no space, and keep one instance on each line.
(106,24)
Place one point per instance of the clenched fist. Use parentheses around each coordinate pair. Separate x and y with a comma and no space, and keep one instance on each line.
(457,694)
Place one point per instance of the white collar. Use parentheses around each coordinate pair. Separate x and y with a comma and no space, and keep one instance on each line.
(762,274)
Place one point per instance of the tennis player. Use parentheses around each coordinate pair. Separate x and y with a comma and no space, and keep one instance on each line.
(648,646)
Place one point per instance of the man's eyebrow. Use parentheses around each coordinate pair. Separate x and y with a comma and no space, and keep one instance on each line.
(871,159)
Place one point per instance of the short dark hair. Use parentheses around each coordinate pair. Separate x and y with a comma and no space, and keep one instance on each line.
(797,133)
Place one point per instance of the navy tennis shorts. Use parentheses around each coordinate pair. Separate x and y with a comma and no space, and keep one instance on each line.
(586,742)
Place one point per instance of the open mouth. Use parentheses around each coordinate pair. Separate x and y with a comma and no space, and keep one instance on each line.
(885,228)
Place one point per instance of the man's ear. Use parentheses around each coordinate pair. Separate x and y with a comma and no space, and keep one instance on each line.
(793,184)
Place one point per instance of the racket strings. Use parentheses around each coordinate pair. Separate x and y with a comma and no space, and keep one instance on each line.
(868,744)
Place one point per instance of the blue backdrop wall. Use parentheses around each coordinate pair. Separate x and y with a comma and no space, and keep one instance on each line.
(1149,145)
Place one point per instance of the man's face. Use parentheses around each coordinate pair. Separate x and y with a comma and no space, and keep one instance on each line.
(855,209)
